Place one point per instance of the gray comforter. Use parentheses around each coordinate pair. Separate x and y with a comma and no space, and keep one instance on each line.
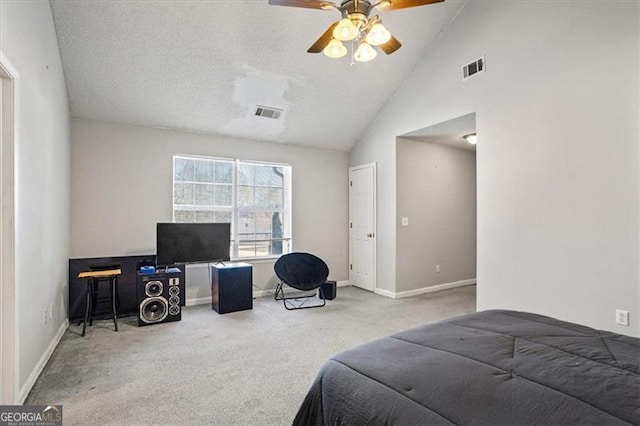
(491,368)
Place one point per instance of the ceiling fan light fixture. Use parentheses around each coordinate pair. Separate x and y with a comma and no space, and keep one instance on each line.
(335,49)
(345,30)
(378,35)
(364,52)
(472,138)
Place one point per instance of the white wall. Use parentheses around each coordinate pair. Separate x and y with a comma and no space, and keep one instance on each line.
(122,186)
(28,41)
(436,191)
(557,158)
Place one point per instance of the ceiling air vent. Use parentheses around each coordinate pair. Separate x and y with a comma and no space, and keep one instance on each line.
(473,68)
(269,112)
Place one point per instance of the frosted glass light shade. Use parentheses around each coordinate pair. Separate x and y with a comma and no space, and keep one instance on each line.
(345,30)
(364,52)
(378,35)
(472,138)
(335,49)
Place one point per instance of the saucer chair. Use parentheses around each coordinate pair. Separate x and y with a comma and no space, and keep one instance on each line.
(301,271)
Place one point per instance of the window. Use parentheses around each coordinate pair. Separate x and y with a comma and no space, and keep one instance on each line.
(253,197)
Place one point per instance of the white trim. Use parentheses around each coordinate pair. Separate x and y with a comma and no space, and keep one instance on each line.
(9,338)
(256,293)
(423,290)
(42,362)
(385,293)
(198,301)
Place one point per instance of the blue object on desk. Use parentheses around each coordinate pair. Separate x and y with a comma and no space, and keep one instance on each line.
(147,269)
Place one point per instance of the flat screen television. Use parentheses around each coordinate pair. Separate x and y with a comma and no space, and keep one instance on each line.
(180,243)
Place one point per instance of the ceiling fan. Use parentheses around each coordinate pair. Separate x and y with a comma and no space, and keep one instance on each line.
(356,25)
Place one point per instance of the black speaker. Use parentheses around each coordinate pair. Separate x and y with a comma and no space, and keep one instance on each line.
(159,297)
(328,290)
(231,287)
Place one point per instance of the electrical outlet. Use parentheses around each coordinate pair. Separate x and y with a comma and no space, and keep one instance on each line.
(44,316)
(622,317)
(438,268)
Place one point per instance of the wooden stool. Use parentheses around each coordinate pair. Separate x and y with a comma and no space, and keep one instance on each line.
(93,279)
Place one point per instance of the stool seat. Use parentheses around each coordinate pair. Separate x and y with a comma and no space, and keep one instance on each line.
(93,278)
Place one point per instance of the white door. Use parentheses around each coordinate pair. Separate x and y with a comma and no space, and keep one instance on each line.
(362,226)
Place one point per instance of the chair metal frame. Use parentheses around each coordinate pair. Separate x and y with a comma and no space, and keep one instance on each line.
(279,295)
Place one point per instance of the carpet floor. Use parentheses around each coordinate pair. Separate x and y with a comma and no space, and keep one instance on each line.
(243,368)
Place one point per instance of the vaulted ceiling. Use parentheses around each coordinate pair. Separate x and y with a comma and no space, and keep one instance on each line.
(204,66)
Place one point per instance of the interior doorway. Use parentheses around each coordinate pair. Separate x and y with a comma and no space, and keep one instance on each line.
(436,207)
(8,360)
(362,226)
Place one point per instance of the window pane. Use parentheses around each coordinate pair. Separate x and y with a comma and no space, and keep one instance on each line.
(224,172)
(245,174)
(183,169)
(262,198)
(263,175)
(183,193)
(204,171)
(183,216)
(260,225)
(222,195)
(269,198)
(204,216)
(246,226)
(276,198)
(203,195)
(276,232)
(245,196)
(277,177)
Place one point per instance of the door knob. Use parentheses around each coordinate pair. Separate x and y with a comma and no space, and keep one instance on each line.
(369,235)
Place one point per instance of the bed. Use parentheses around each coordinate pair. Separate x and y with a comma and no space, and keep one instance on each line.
(495,367)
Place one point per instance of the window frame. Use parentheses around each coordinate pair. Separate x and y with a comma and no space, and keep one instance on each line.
(235,209)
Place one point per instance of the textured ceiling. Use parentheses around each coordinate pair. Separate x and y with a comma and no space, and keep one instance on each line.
(203,66)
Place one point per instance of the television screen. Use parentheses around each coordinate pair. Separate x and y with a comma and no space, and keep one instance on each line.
(178,243)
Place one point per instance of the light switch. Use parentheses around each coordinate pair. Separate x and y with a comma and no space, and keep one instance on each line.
(405,221)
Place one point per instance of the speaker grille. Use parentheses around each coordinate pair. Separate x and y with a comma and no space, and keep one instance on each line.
(154,309)
(153,288)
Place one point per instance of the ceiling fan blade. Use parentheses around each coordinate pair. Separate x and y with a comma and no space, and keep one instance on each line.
(391,46)
(324,39)
(403,4)
(308,4)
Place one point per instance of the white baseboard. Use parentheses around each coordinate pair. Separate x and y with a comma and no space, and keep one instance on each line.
(423,290)
(256,293)
(385,293)
(42,362)
(198,301)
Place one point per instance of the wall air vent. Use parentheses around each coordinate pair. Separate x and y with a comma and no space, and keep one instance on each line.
(473,68)
(269,112)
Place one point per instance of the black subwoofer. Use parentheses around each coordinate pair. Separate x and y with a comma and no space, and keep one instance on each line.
(328,290)
(159,297)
